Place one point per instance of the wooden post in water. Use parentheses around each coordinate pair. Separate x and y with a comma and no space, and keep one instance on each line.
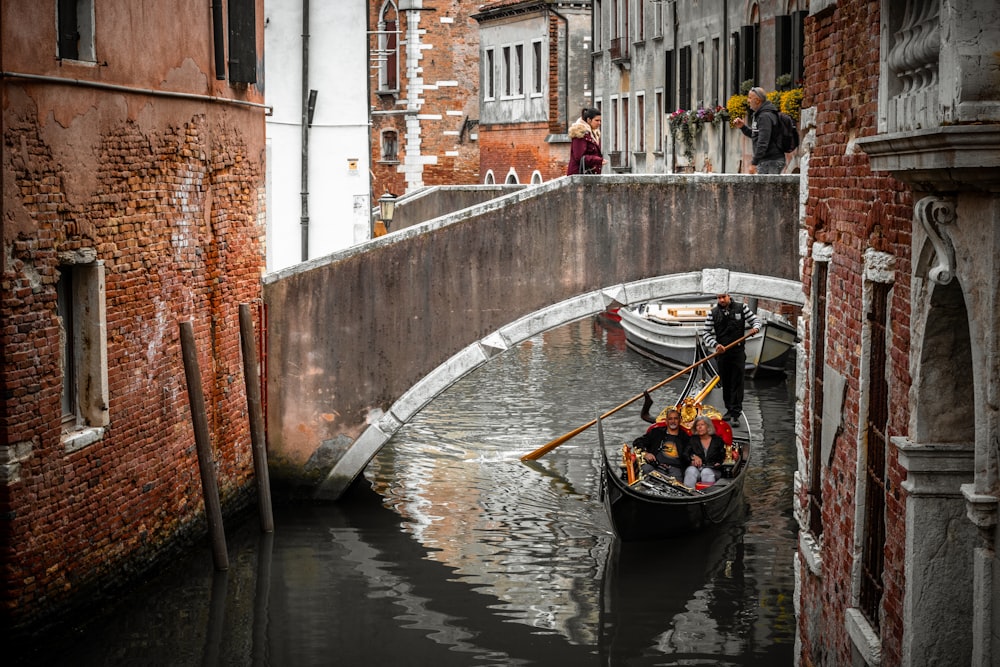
(257,438)
(206,461)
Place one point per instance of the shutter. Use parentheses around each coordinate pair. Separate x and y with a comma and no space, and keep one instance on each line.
(685,79)
(242,41)
(782,46)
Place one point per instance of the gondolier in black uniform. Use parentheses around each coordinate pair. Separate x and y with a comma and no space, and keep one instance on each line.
(725,324)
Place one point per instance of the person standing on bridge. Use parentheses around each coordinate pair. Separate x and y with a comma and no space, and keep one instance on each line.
(585,151)
(767,158)
(725,324)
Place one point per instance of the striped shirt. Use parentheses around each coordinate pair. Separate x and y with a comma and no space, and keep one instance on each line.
(750,321)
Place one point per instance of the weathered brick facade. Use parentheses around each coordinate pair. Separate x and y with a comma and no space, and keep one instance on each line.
(852,210)
(434,110)
(163,198)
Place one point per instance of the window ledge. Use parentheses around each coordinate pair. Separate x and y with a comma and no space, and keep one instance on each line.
(78,439)
(863,636)
(811,554)
(388,161)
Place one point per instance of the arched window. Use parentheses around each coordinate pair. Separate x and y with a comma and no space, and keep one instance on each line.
(536,178)
(512,178)
(387,51)
(489,180)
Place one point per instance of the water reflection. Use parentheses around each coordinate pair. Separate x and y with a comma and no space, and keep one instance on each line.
(451,551)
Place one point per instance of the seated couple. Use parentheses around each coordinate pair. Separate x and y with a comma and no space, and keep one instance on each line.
(687,458)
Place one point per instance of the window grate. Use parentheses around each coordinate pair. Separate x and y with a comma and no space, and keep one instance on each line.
(873,539)
(819,363)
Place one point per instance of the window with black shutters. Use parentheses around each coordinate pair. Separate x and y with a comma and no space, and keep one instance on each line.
(748,54)
(783,47)
(798,48)
(242,41)
(670,85)
(684,76)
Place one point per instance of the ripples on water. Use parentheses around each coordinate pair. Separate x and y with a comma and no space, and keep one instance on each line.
(467,555)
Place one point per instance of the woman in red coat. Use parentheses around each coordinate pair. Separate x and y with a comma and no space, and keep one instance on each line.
(586,147)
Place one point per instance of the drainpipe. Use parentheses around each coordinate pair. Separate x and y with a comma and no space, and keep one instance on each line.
(219,40)
(725,72)
(307,95)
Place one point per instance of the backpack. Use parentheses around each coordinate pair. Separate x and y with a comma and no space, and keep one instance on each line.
(787,136)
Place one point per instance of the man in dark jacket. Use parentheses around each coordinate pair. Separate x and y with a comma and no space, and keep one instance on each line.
(767,157)
(664,443)
(727,323)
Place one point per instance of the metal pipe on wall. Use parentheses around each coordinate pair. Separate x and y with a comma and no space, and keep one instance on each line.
(306,94)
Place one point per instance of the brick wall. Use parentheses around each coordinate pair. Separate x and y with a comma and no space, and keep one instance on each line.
(172,204)
(440,145)
(852,209)
(523,148)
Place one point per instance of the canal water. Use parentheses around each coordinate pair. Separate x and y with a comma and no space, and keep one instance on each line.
(452,551)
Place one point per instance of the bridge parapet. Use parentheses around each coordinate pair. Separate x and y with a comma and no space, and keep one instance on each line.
(360,341)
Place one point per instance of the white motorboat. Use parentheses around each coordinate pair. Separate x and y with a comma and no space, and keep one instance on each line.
(668,332)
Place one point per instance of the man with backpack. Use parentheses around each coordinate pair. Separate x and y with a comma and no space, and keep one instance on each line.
(765,130)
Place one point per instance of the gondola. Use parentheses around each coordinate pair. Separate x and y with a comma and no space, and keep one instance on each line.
(655,506)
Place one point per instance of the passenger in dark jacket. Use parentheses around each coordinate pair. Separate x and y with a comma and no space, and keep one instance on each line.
(763,131)
(585,134)
(706,452)
(665,444)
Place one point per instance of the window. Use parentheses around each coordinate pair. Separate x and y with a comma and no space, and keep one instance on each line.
(873,537)
(536,67)
(640,20)
(713,93)
(747,55)
(506,71)
(819,363)
(658,123)
(76,30)
(640,122)
(82,319)
(489,75)
(390,146)
(657,19)
(625,145)
(387,52)
(242,41)
(670,84)
(684,79)
(699,82)
(519,69)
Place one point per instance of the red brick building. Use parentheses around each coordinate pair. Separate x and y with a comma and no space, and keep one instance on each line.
(896,491)
(425,106)
(133,190)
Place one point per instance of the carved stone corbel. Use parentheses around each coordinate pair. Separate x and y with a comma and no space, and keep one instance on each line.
(933,214)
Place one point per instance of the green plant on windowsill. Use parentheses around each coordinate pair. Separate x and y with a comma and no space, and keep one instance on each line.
(686,126)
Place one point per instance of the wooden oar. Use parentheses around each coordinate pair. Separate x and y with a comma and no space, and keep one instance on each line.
(545,449)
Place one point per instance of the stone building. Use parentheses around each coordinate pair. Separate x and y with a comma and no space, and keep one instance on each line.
(535,62)
(654,58)
(897,484)
(424,94)
(133,191)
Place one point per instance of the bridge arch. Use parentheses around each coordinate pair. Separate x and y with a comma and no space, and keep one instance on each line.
(707,281)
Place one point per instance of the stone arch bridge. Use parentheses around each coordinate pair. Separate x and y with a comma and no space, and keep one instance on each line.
(359,341)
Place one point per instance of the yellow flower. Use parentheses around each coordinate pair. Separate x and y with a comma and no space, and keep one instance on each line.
(737,107)
(791,102)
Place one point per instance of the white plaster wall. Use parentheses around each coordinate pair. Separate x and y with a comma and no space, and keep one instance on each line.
(339,197)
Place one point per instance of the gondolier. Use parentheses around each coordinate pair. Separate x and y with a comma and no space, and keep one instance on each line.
(727,322)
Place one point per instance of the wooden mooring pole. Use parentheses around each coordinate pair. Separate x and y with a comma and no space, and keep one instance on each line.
(257,437)
(206,461)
